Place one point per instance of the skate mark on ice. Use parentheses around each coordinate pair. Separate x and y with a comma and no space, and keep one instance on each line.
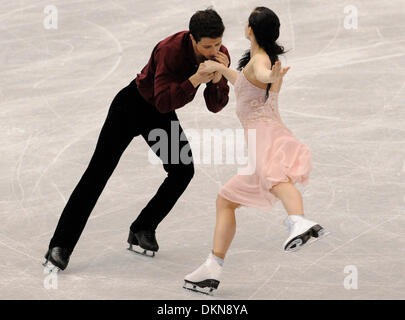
(265,282)
(4,244)
(349,241)
(57,157)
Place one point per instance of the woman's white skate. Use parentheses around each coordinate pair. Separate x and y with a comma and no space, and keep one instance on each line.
(302,231)
(206,278)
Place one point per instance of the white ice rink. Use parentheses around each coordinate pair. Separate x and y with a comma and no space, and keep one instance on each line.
(344,97)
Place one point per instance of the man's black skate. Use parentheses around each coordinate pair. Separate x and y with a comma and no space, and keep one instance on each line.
(145,239)
(57,259)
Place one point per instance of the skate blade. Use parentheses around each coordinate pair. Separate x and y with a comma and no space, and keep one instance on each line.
(307,238)
(193,287)
(50,268)
(322,234)
(146,253)
(294,245)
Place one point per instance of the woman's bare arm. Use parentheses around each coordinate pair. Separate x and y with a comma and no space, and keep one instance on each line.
(229,74)
(213,66)
(266,73)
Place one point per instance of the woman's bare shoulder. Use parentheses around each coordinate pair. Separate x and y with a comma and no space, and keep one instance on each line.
(261,58)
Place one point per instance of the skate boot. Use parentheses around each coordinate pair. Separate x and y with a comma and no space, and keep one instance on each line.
(57,259)
(206,278)
(301,231)
(146,240)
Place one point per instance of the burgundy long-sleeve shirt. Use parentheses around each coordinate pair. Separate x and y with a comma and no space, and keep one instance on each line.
(164,83)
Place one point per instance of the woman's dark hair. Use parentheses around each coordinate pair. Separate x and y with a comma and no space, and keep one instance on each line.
(266,28)
(206,23)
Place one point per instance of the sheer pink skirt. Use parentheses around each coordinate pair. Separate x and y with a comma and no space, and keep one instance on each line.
(279,156)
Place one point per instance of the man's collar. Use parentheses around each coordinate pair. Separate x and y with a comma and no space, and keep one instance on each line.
(190,50)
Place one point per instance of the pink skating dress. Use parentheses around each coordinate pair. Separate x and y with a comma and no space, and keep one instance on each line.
(279,155)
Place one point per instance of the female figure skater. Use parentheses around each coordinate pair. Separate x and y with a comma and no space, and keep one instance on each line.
(281,160)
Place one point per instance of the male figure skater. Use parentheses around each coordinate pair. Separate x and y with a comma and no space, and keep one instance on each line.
(168,82)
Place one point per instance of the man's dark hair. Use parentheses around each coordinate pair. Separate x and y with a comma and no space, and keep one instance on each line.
(206,23)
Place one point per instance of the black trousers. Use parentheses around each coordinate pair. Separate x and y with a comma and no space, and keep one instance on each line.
(129,116)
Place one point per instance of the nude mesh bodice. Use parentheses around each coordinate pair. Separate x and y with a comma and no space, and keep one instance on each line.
(250,104)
